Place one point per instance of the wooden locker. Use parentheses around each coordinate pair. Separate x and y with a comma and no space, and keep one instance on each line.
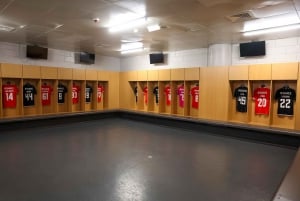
(91,74)
(66,105)
(152,99)
(260,72)
(31,72)
(142,75)
(36,109)
(285,71)
(79,105)
(78,74)
(191,74)
(113,91)
(152,75)
(164,104)
(164,75)
(103,75)
(11,70)
(65,73)
(92,105)
(238,73)
(177,74)
(17,111)
(49,73)
(50,106)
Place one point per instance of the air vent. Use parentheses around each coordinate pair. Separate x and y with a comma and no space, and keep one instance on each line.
(243,16)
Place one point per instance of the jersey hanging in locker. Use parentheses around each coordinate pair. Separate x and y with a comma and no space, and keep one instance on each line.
(75,94)
(156,93)
(61,91)
(286,97)
(88,93)
(168,95)
(180,93)
(9,95)
(46,94)
(241,95)
(100,92)
(262,100)
(28,94)
(195,97)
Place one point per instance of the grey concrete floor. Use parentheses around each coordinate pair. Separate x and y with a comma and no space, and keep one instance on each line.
(123,160)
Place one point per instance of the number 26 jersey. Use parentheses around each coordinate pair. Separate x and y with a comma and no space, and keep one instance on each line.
(262,100)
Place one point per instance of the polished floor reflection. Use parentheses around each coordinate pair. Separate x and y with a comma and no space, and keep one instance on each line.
(123,160)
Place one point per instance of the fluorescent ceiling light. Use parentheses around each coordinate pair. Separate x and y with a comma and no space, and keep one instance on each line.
(154,27)
(130,46)
(128,25)
(132,51)
(6,28)
(272,30)
(271,22)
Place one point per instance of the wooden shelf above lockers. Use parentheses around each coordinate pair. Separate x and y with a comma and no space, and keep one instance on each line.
(31,72)
(91,74)
(177,74)
(164,75)
(64,73)
(260,72)
(238,73)
(285,71)
(152,75)
(142,75)
(11,70)
(191,73)
(49,73)
(78,74)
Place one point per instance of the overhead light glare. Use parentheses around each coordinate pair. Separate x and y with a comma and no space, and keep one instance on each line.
(6,28)
(128,25)
(131,46)
(132,51)
(154,27)
(271,22)
(272,30)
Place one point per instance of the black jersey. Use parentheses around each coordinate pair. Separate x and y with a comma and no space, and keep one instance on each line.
(285,97)
(136,94)
(28,94)
(61,90)
(156,93)
(241,95)
(88,93)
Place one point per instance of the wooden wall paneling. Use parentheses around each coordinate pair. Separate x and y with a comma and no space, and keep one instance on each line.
(31,72)
(105,95)
(35,109)
(282,121)
(132,75)
(233,114)
(52,107)
(152,75)
(142,75)
(113,90)
(297,106)
(78,74)
(49,73)
(164,75)
(1,102)
(67,105)
(285,71)
(258,119)
(91,74)
(238,72)
(191,74)
(177,74)
(11,70)
(260,72)
(65,74)
(126,92)
(213,93)
(103,75)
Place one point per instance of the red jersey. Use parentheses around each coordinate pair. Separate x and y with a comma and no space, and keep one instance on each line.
(180,92)
(75,94)
(168,95)
(46,94)
(9,95)
(145,90)
(262,100)
(195,97)
(100,91)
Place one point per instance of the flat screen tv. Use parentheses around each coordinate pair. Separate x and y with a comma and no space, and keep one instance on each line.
(251,49)
(36,52)
(156,58)
(86,58)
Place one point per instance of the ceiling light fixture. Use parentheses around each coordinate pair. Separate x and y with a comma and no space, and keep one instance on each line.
(6,28)
(272,30)
(131,46)
(154,27)
(132,51)
(271,22)
(128,25)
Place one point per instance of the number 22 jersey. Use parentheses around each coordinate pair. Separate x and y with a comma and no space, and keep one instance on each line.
(262,100)
(285,97)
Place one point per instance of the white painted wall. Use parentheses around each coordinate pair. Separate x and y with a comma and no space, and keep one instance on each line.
(277,51)
(16,53)
(178,59)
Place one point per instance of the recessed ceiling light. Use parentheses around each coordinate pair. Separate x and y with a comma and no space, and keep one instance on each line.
(135,30)
(154,27)
(128,25)
(131,46)
(22,26)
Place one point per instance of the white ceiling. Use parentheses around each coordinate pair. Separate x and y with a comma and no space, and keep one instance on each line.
(187,24)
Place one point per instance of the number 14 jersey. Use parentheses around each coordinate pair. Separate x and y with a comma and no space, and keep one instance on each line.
(262,100)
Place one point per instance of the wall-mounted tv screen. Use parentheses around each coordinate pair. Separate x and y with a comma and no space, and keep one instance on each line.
(251,49)
(156,58)
(36,52)
(86,58)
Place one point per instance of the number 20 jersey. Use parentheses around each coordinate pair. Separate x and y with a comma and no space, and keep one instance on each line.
(262,100)
(285,97)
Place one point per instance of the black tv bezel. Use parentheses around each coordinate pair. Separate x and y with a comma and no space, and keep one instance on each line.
(42,52)
(154,61)
(91,57)
(253,49)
